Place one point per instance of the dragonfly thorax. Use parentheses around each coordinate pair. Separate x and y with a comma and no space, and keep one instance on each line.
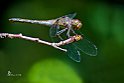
(64,22)
(76,24)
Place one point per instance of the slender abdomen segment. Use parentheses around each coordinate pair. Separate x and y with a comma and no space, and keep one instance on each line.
(42,22)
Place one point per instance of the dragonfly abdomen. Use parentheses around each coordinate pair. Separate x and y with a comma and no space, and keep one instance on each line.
(41,22)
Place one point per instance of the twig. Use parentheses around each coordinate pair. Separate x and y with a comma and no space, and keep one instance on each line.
(55,45)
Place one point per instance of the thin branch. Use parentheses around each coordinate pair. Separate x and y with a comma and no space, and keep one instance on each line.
(55,45)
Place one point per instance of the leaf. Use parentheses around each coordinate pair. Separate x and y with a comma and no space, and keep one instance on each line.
(53,71)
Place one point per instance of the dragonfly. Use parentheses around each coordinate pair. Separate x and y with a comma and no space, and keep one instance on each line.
(61,29)
(58,25)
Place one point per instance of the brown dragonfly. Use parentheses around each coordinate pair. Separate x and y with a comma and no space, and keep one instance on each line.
(58,25)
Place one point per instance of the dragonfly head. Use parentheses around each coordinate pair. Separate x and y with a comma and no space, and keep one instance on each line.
(78,37)
(76,24)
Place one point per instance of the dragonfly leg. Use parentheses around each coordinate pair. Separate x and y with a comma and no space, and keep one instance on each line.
(68,33)
(73,31)
(61,31)
(60,37)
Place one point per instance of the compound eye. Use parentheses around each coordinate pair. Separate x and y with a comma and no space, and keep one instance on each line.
(76,24)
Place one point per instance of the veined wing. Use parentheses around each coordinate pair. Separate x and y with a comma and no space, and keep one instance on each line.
(53,30)
(87,47)
(71,15)
(73,52)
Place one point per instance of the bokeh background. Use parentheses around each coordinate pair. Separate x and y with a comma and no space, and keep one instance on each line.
(103,24)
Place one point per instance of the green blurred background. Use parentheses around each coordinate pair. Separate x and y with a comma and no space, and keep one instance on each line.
(103,24)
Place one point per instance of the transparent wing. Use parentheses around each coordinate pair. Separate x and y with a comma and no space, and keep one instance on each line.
(71,15)
(53,30)
(73,52)
(87,47)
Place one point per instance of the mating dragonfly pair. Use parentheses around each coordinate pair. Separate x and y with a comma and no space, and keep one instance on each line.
(63,28)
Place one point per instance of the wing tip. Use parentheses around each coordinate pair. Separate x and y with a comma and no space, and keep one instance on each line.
(76,60)
(94,53)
